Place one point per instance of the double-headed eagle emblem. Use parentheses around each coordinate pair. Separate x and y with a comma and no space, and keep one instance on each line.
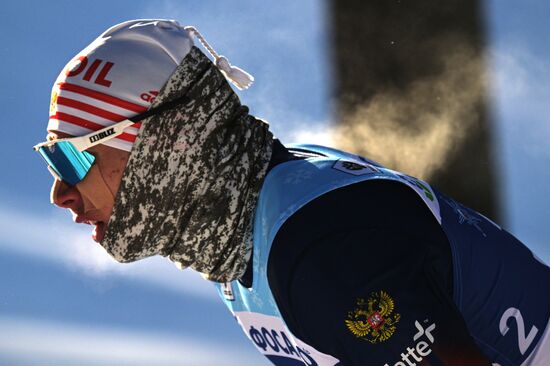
(373,320)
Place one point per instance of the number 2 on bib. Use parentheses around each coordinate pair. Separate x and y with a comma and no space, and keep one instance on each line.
(523,341)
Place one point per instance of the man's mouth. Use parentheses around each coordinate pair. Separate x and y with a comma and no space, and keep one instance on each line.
(99,231)
(99,227)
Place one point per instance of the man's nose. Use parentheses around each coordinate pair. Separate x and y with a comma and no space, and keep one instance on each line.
(64,195)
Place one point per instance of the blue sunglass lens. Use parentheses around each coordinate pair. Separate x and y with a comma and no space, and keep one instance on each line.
(70,164)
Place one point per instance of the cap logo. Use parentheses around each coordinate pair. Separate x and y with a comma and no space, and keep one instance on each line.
(53,102)
(149,96)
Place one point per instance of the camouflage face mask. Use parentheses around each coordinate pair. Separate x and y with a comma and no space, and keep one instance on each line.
(192,181)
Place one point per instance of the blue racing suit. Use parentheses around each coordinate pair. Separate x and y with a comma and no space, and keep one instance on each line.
(356,264)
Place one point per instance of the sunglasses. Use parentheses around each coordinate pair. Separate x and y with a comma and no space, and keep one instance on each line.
(68,159)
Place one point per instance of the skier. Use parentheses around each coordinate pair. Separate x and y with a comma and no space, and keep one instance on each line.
(324,257)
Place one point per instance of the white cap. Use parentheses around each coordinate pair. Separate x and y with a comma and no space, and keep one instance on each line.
(117,76)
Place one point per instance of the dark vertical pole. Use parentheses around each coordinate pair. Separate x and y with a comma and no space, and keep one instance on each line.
(410,91)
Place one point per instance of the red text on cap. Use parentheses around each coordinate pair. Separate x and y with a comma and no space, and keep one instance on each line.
(81,63)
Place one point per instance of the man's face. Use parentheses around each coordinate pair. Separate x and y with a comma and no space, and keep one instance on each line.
(91,201)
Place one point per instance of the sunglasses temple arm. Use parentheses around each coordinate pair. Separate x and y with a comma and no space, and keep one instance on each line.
(100,136)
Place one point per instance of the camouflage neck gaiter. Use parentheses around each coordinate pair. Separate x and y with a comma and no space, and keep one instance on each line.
(193,178)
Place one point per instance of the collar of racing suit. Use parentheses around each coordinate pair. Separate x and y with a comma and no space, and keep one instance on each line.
(193,178)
